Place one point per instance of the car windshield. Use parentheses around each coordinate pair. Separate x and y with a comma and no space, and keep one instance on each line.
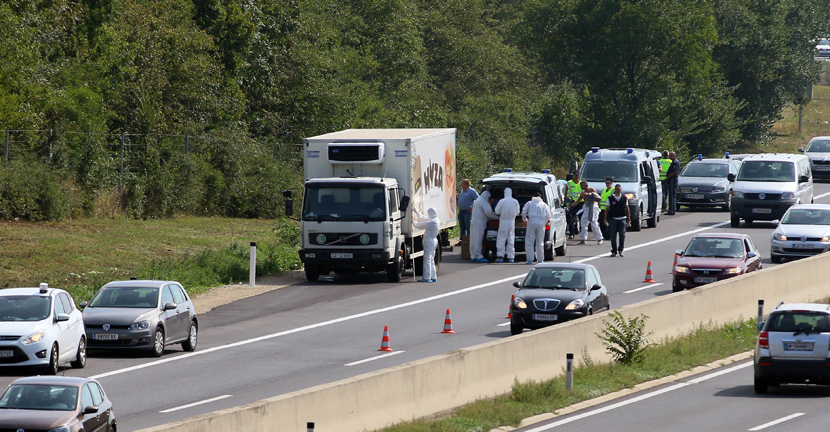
(126,297)
(820,146)
(705,170)
(802,322)
(622,172)
(356,203)
(806,217)
(554,278)
(25,308)
(40,397)
(715,248)
(767,171)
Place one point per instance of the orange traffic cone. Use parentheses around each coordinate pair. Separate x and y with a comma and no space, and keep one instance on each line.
(384,344)
(673,264)
(510,307)
(447,324)
(649,275)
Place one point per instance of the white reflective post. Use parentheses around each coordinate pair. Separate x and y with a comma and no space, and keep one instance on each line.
(310,426)
(760,314)
(569,372)
(252,277)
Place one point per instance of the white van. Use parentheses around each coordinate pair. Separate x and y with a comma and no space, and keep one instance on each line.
(768,184)
(637,172)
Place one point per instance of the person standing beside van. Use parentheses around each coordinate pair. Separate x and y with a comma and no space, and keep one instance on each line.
(466,198)
(618,218)
(574,190)
(537,215)
(671,181)
(665,163)
(603,205)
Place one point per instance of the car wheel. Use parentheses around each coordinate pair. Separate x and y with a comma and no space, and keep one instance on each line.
(562,250)
(728,206)
(735,221)
(192,338)
(652,223)
(637,223)
(158,343)
(776,258)
(761,385)
(748,222)
(515,327)
(80,357)
(52,367)
(312,274)
(675,288)
(549,252)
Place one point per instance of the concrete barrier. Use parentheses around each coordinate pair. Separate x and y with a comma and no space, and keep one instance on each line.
(437,384)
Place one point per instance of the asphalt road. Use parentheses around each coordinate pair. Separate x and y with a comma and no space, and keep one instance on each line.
(313,333)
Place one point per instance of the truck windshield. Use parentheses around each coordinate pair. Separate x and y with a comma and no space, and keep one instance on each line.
(355,203)
(763,171)
(705,170)
(622,172)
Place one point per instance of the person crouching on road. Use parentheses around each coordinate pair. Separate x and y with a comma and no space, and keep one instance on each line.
(431,225)
(618,218)
(507,209)
(482,213)
(537,215)
(589,198)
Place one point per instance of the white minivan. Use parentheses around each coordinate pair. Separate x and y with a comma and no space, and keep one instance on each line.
(767,185)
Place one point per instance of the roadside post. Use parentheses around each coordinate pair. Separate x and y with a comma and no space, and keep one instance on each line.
(310,426)
(252,277)
(760,314)
(569,372)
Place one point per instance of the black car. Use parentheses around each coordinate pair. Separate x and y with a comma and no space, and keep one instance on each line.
(60,404)
(705,183)
(553,293)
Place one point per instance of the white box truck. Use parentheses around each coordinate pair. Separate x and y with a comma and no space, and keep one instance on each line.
(359,184)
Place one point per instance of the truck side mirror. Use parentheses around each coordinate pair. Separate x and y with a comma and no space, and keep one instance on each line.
(731,177)
(289,207)
(404,203)
(804,179)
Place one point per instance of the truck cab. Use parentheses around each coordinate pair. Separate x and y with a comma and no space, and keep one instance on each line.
(525,185)
(637,171)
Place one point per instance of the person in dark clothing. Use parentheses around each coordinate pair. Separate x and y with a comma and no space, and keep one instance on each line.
(618,218)
(671,179)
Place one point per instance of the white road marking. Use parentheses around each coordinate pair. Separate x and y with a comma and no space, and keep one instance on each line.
(642,288)
(196,404)
(374,358)
(371,312)
(820,196)
(775,422)
(503,324)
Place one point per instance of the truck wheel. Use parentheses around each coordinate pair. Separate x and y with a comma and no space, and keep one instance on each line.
(395,271)
(312,274)
(562,250)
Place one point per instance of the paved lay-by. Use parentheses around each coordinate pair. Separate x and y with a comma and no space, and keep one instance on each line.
(306,334)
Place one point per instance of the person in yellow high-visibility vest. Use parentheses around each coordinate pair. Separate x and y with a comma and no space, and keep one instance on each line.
(572,193)
(603,205)
(665,163)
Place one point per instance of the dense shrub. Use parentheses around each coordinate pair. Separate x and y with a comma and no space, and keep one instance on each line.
(30,190)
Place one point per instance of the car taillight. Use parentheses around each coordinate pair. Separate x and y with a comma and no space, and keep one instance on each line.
(547,226)
(763,340)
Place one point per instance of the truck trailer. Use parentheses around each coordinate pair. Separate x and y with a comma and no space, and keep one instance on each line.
(359,185)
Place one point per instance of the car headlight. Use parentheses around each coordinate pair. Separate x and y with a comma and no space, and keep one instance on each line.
(737,194)
(732,270)
(681,269)
(779,237)
(630,195)
(576,304)
(825,239)
(519,303)
(719,189)
(788,195)
(60,429)
(141,325)
(35,337)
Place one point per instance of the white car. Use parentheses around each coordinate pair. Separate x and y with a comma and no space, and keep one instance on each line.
(41,327)
(803,231)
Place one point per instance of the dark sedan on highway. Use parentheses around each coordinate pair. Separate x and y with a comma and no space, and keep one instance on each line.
(713,257)
(704,183)
(554,292)
(56,404)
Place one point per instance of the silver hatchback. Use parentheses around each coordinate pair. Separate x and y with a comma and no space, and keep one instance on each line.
(793,346)
(141,314)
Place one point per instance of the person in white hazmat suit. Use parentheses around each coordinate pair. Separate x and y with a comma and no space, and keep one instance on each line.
(431,225)
(537,215)
(507,209)
(482,213)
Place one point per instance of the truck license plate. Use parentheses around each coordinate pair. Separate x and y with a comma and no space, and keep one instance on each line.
(342,255)
(694,196)
(705,279)
(544,317)
(6,353)
(105,336)
(802,246)
(798,346)
(822,168)
(761,210)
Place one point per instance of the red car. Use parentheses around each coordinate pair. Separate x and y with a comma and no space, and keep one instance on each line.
(712,257)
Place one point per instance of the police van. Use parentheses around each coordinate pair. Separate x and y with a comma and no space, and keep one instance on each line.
(525,185)
(637,171)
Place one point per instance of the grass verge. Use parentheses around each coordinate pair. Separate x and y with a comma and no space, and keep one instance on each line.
(704,345)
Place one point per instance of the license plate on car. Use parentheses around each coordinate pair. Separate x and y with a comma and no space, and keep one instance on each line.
(694,196)
(761,210)
(802,246)
(802,346)
(105,336)
(705,279)
(342,255)
(6,353)
(545,317)
(822,168)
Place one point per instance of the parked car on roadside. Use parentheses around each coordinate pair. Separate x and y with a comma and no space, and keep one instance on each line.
(714,257)
(705,183)
(40,327)
(141,314)
(552,293)
(803,231)
(818,150)
(793,346)
(56,404)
